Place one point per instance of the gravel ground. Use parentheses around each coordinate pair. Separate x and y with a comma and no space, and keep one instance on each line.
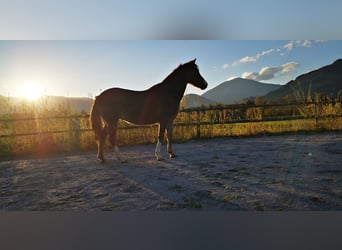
(271,173)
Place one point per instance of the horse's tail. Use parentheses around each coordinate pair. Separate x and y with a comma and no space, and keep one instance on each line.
(96,121)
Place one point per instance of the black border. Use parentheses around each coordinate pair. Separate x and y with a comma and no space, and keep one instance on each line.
(170,230)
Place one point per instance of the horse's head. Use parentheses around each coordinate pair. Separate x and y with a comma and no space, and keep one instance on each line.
(193,75)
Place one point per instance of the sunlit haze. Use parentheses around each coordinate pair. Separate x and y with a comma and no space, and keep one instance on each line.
(30,90)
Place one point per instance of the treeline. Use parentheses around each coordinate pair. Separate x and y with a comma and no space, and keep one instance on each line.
(259,109)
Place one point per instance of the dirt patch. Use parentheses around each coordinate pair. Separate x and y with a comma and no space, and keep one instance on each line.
(288,172)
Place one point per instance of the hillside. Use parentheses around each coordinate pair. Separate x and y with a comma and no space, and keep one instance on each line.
(75,104)
(238,89)
(193,100)
(79,104)
(326,80)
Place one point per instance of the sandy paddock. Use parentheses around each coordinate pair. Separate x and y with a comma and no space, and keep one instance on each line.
(287,172)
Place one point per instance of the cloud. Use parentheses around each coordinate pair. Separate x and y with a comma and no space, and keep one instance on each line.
(288,67)
(288,46)
(267,73)
(248,59)
(250,75)
(232,78)
(266,52)
(299,43)
(306,43)
(225,66)
(280,51)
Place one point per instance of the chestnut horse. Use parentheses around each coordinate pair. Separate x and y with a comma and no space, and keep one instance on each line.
(158,104)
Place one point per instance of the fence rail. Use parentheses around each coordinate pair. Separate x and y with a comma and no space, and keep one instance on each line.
(213,115)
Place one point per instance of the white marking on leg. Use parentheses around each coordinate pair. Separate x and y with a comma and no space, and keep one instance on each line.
(170,150)
(118,154)
(157,151)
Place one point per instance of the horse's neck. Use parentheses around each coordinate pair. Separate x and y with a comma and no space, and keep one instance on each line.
(174,87)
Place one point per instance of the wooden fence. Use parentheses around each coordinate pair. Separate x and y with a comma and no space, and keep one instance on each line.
(40,135)
(198,117)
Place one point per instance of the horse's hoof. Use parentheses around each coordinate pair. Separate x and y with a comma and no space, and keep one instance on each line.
(172,155)
(102,160)
(160,158)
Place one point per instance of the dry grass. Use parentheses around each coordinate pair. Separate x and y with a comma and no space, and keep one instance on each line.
(74,133)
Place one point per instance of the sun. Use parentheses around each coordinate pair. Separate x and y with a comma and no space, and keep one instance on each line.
(31,91)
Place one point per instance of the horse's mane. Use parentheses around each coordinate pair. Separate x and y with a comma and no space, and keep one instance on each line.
(179,68)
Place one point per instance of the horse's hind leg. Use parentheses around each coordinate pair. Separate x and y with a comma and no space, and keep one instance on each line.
(169,130)
(161,132)
(112,126)
(101,141)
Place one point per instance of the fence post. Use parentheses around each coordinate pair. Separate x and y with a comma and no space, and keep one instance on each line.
(198,112)
(316,114)
(76,127)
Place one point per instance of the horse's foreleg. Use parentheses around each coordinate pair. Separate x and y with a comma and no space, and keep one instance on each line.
(112,140)
(161,132)
(102,135)
(157,152)
(118,154)
(169,130)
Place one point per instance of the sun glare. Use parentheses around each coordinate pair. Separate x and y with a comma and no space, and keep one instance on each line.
(31,91)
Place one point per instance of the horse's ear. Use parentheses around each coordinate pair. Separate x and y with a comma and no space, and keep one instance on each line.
(190,62)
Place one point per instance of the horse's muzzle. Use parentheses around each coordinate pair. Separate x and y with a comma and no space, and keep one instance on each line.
(205,85)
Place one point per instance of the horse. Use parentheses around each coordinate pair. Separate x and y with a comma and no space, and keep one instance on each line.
(158,104)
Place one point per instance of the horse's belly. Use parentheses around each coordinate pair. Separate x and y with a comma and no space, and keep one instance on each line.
(142,110)
(140,118)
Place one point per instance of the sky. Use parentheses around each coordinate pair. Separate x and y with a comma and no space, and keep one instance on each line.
(81,47)
(85,68)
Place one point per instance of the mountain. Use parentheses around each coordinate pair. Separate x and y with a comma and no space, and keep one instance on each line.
(326,80)
(238,89)
(193,100)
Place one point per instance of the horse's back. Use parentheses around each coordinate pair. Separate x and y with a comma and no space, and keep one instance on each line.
(118,92)
(116,96)
(134,106)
